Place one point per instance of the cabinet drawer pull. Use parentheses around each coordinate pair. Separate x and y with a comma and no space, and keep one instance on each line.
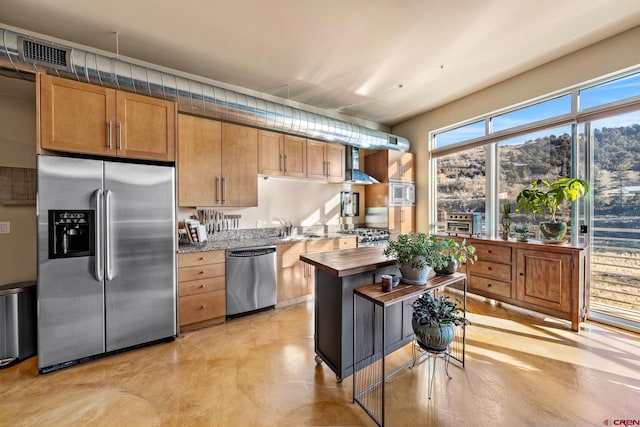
(488,285)
(201,258)
(489,268)
(203,286)
(203,306)
(201,272)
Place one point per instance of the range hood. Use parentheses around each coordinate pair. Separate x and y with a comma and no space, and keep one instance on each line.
(22,56)
(353,174)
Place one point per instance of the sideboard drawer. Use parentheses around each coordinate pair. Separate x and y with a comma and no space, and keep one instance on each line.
(200,258)
(497,287)
(201,272)
(492,270)
(493,253)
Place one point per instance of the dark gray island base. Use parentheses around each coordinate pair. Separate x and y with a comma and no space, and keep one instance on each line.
(337,274)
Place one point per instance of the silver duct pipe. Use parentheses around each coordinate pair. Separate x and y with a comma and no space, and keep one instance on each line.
(24,54)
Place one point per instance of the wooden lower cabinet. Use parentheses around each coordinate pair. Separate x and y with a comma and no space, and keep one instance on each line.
(201,289)
(296,279)
(550,279)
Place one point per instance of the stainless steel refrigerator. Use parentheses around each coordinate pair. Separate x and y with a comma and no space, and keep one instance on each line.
(106,258)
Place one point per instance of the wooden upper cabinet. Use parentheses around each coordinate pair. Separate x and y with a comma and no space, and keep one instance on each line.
(270,153)
(199,165)
(295,156)
(239,165)
(83,118)
(146,127)
(389,164)
(325,161)
(76,117)
(217,163)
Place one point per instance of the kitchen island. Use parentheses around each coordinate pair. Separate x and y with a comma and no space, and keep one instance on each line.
(337,274)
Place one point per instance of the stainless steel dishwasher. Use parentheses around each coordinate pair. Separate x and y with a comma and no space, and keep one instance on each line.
(251,280)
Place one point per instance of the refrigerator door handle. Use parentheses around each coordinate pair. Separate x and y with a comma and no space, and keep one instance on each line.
(98,252)
(107,237)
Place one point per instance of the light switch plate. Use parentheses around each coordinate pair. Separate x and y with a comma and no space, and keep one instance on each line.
(5,227)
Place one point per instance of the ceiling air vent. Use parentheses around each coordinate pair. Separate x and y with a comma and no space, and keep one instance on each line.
(44,54)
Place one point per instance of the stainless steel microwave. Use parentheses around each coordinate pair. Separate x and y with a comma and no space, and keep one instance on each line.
(402,193)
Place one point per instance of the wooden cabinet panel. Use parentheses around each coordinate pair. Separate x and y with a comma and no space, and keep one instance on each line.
(291,277)
(319,246)
(217,163)
(315,160)
(83,118)
(201,288)
(200,272)
(270,153)
(493,253)
(544,279)
(193,287)
(200,258)
(334,155)
(295,156)
(77,117)
(487,285)
(493,270)
(202,307)
(199,163)
(325,161)
(239,165)
(146,127)
(345,243)
(401,220)
(389,164)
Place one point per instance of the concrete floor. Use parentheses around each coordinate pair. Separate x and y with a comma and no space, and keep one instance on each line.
(521,370)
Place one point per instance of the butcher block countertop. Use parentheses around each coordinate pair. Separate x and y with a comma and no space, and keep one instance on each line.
(349,261)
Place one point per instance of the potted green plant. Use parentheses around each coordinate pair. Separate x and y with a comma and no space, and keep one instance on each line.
(544,197)
(522,230)
(456,253)
(434,320)
(416,254)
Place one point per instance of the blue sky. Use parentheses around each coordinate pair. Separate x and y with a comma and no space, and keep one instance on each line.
(615,90)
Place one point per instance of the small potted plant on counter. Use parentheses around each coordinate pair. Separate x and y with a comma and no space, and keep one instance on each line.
(535,200)
(522,230)
(416,255)
(456,253)
(434,321)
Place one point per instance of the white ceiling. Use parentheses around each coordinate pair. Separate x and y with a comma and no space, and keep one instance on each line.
(379,60)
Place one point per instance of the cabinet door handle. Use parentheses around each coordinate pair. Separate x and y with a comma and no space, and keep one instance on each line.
(522,274)
(285,163)
(224,189)
(218,189)
(119,135)
(281,162)
(110,135)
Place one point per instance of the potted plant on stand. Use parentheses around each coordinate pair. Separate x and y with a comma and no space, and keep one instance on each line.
(456,253)
(434,321)
(416,255)
(535,200)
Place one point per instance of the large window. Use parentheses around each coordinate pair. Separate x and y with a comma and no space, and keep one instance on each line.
(460,184)
(545,154)
(590,132)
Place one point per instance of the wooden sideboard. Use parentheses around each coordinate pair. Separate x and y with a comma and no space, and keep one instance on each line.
(548,278)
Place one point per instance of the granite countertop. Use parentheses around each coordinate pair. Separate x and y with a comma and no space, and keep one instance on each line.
(236,243)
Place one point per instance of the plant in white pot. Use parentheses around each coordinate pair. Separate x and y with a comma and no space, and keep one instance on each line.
(434,321)
(551,199)
(416,255)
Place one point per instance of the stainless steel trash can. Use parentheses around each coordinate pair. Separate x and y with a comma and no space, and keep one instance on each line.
(17,322)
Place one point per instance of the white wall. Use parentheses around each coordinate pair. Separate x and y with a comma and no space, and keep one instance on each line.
(608,56)
(301,202)
(18,149)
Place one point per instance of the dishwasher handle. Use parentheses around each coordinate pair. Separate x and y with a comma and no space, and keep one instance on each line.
(245,253)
